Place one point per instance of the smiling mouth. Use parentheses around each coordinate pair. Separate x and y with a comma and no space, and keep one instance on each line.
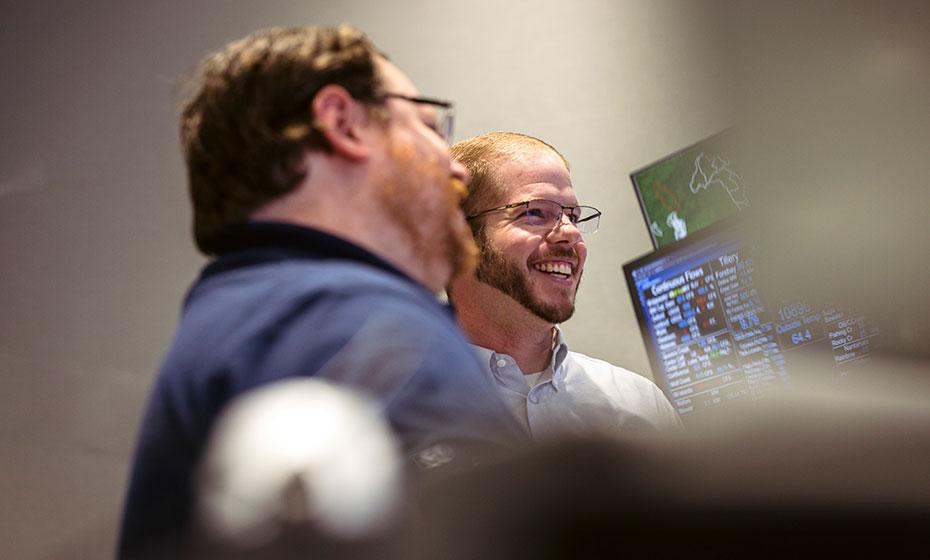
(562,270)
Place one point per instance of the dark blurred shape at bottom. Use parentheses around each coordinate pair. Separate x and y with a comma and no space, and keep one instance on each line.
(808,476)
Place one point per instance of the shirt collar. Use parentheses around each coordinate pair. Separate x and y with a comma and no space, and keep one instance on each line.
(504,367)
(254,243)
(559,350)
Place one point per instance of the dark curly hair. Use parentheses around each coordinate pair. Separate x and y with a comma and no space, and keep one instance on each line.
(246,127)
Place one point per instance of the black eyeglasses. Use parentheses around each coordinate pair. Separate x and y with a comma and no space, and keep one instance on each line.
(445,113)
(547,214)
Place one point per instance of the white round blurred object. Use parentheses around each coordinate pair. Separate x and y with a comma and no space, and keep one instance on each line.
(300,451)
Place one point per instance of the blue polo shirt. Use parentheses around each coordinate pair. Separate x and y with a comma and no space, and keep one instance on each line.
(283,301)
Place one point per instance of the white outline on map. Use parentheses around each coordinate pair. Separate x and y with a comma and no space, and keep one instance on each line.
(722,175)
(656,230)
(677,224)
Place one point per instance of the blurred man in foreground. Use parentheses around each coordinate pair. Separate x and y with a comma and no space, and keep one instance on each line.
(524,214)
(322,185)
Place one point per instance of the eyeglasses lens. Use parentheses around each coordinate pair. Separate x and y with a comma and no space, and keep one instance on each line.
(547,213)
(446,121)
(588,219)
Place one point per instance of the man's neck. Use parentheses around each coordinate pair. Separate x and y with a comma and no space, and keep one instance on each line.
(369,228)
(501,324)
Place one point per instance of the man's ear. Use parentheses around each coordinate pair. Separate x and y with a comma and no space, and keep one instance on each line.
(340,118)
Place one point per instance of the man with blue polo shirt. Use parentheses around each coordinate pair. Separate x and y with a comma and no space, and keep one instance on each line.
(323,189)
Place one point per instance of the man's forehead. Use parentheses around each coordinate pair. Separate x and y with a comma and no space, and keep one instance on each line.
(537,171)
(393,79)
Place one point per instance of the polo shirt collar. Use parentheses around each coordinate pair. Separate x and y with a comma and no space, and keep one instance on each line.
(257,242)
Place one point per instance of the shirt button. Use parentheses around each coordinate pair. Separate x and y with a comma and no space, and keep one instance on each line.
(501,362)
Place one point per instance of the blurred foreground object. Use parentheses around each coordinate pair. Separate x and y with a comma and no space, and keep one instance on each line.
(300,463)
(801,476)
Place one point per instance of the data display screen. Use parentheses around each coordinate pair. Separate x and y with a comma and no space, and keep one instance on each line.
(713,338)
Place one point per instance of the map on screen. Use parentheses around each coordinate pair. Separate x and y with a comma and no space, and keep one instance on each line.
(689,190)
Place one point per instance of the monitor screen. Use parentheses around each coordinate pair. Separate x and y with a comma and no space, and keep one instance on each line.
(713,338)
(689,190)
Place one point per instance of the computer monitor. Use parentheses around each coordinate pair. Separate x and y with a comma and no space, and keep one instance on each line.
(714,339)
(689,190)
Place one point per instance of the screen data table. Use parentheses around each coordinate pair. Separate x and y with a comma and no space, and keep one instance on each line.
(713,338)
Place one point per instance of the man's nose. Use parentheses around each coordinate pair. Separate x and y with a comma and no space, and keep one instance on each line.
(565,229)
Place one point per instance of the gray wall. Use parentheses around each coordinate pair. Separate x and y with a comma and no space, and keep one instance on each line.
(94,232)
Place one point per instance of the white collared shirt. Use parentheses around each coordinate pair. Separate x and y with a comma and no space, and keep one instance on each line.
(578,395)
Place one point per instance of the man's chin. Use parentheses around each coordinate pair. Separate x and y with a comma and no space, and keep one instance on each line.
(542,307)
(553,314)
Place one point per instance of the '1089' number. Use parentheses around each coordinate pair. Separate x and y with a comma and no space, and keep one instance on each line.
(793,311)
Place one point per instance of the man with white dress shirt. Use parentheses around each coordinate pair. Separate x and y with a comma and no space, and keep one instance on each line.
(530,230)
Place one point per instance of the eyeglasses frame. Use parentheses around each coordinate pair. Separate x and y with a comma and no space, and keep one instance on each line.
(597,213)
(449,116)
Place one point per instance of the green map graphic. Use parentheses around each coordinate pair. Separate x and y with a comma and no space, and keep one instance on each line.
(689,190)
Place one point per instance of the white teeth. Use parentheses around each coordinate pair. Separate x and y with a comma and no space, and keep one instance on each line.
(557,268)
